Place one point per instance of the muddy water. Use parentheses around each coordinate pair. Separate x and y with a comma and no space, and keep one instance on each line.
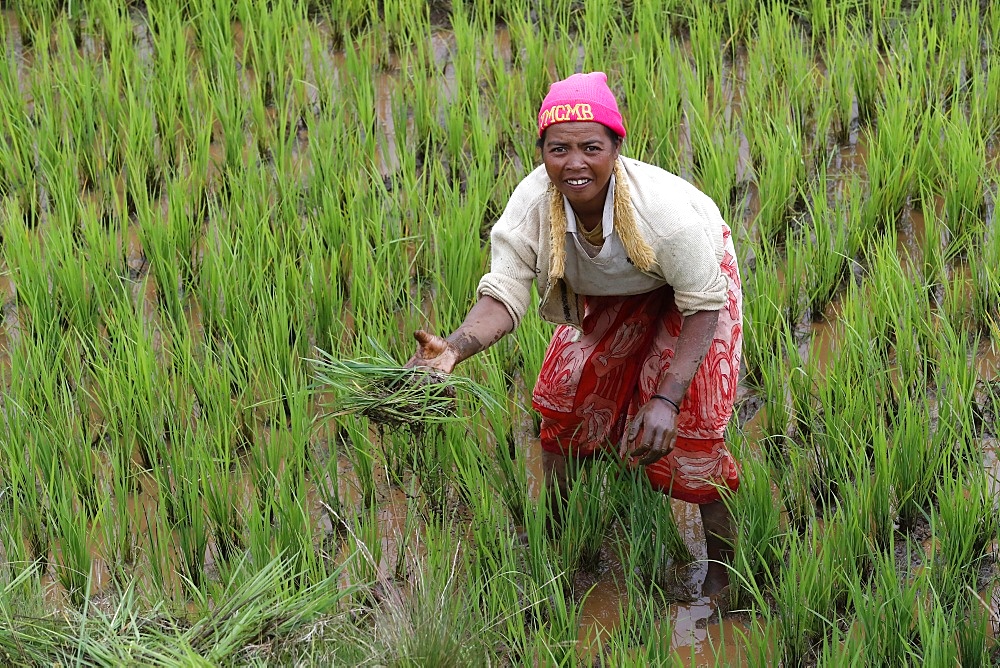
(697,634)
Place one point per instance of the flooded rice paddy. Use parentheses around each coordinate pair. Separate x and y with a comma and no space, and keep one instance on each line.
(195,198)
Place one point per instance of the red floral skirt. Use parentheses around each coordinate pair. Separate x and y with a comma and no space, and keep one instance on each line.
(591,385)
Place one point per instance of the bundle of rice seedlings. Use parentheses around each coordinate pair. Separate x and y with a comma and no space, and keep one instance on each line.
(394,396)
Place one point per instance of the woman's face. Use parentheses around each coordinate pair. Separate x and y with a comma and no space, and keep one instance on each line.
(579,159)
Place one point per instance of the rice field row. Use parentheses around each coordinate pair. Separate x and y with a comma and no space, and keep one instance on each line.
(199,199)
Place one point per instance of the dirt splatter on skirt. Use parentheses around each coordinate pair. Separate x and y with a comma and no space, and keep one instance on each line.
(591,385)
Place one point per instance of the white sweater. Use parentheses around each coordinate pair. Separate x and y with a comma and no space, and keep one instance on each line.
(681,225)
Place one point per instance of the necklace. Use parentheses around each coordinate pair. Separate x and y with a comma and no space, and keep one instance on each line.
(595,236)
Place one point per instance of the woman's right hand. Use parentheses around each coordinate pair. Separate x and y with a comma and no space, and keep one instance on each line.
(433,352)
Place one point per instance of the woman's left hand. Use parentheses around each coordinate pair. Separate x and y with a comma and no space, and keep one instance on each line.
(652,434)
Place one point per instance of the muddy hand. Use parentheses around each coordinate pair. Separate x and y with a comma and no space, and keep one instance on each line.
(433,352)
(652,434)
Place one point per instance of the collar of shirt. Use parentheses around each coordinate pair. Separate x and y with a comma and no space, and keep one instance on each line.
(608,220)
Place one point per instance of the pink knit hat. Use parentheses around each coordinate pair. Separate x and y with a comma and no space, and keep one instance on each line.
(581,97)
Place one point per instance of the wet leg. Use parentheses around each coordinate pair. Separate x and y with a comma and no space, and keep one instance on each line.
(719,536)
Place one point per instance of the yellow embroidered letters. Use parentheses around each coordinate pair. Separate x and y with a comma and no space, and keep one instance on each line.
(562,113)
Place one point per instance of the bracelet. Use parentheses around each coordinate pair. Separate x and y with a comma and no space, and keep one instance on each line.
(669,401)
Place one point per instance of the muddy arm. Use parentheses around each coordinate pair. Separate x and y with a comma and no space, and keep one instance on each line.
(487,322)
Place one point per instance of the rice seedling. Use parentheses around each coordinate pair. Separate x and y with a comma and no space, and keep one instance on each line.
(388,394)
(888,613)
(985,274)
(956,381)
(183,483)
(364,550)
(805,598)
(436,622)
(765,331)
(715,142)
(583,513)
(780,171)
(759,547)
(965,523)
(972,633)
(825,251)
(892,164)
(71,528)
(640,639)
(651,545)
(961,162)
(838,57)
(30,503)
(916,464)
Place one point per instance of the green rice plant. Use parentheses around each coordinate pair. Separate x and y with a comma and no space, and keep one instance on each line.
(805,598)
(293,530)
(984,88)
(934,260)
(155,235)
(223,507)
(887,612)
(961,163)
(740,18)
(584,512)
(759,547)
(794,276)
(937,637)
(456,255)
(706,38)
(105,266)
(70,531)
(251,608)
(172,96)
(364,547)
(509,478)
(128,385)
(826,248)
(985,274)
(508,596)
(323,468)
(964,525)
(776,416)
(120,541)
(917,466)
(955,377)
(361,454)
(867,61)
(27,266)
(786,64)
(639,639)
(876,482)
(714,141)
(838,56)
(556,639)
(438,621)
(185,487)
(765,331)
(973,634)
(780,172)
(892,163)
(22,460)
(652,544)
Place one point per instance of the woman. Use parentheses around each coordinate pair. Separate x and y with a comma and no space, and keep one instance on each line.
(637,268)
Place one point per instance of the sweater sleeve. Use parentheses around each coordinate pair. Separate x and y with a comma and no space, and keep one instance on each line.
(513,258)
(689,258)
